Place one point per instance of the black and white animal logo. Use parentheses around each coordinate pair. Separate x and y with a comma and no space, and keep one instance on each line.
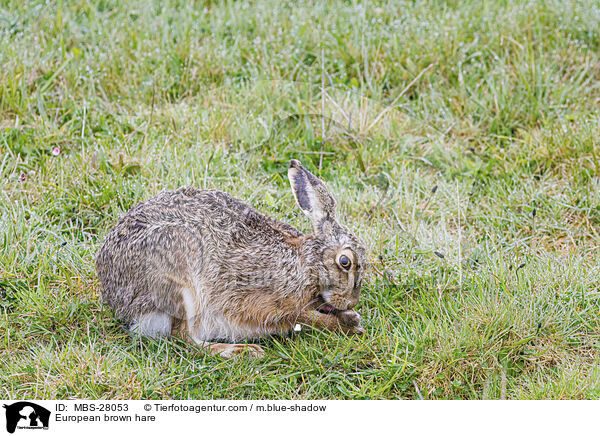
(26,415)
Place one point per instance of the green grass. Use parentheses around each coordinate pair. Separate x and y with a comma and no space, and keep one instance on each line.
(493,103)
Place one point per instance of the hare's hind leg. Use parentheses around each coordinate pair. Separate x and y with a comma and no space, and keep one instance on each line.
(216,348)
(153,324)
(188,329)
(232,350)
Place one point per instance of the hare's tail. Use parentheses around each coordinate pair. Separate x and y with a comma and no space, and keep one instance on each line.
(153,324)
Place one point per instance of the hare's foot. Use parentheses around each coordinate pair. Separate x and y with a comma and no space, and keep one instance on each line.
(350,322)
(347,321)
(349,318)
(232,350)
(217,348)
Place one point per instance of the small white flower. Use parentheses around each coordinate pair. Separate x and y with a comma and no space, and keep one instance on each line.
(55,151)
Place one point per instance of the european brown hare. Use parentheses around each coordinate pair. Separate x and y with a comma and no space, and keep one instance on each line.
(205,265)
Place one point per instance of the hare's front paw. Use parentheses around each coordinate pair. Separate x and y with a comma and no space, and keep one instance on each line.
(349,318)
(350,322)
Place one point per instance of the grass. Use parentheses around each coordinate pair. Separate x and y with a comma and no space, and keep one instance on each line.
(460,138)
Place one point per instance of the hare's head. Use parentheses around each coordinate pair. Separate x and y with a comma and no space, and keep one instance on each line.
(337,256)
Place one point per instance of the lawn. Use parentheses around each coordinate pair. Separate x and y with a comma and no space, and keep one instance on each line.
(461,140)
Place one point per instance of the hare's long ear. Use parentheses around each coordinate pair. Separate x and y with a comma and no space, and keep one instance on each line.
(312,195)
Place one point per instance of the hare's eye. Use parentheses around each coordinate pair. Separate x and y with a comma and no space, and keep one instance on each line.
(345,262)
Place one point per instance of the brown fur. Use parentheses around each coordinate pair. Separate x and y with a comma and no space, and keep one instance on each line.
(208,266)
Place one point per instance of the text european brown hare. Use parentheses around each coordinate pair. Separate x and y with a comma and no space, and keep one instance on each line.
(205,265)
